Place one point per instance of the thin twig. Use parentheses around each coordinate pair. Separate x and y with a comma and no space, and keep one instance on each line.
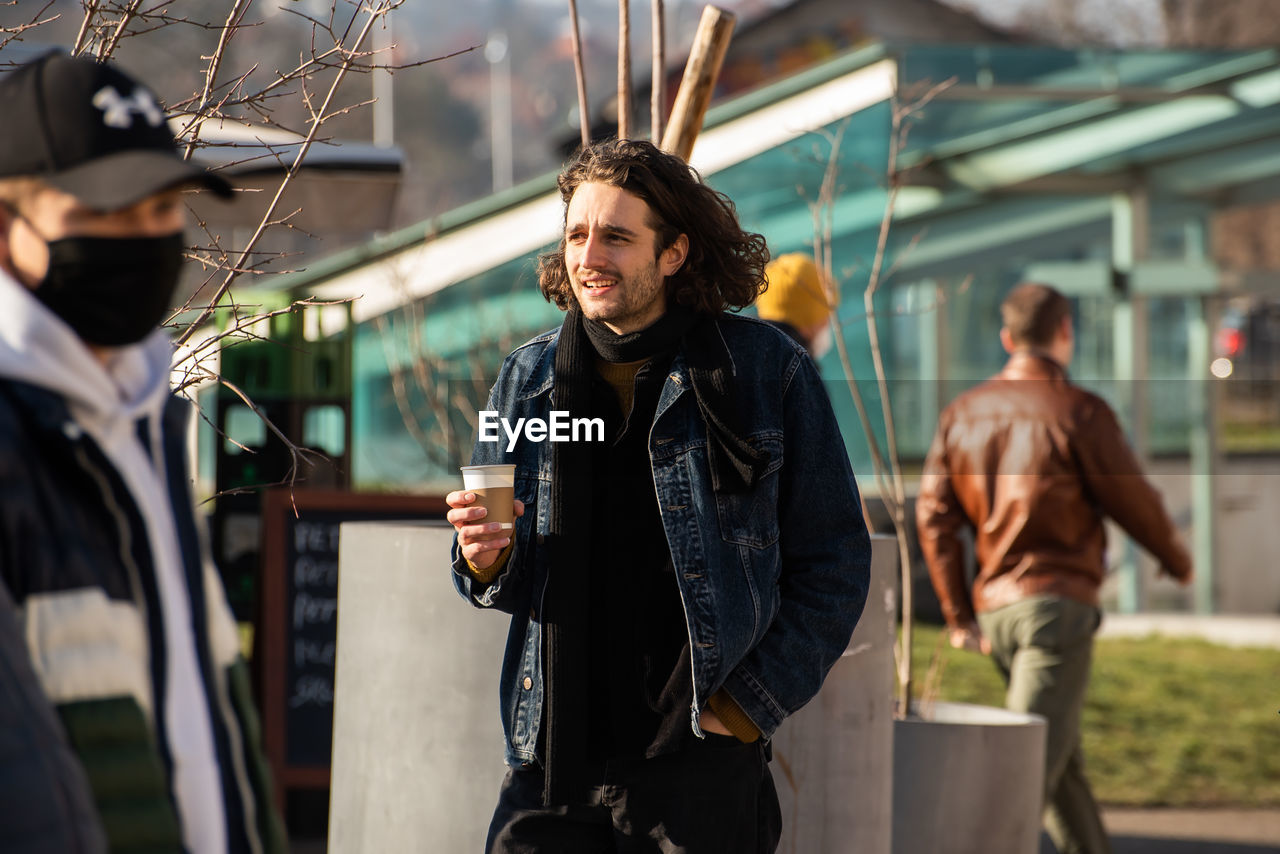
(15,33)
(823,223)
(234,17)
(90,9)
(297,453)
(900,128)
(885,463)
(125,17)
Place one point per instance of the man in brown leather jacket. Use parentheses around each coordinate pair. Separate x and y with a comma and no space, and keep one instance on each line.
(1032,463)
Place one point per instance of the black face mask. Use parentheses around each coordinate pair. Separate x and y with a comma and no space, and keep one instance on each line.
(112,291)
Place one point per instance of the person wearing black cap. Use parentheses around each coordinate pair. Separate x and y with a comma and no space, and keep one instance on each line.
(124,619)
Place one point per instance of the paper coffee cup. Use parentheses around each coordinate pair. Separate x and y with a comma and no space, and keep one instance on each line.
(495,489)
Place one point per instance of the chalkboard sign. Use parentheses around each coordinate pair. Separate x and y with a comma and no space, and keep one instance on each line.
(299,619)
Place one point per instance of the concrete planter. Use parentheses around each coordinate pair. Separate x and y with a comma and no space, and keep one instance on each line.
(417,754)
(969,779)
(833,758)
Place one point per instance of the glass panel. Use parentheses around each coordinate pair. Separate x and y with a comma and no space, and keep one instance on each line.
(243,427)
(777,193)
(1169,400)
(914,365)
(1246,367)
(324,428)
(206,444)
(423,372)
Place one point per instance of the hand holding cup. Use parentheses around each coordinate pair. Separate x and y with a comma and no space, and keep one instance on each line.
(484,512)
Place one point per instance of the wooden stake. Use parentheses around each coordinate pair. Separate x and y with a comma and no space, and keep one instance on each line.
(699,81)
(658,88)
(584,118)
(624,69)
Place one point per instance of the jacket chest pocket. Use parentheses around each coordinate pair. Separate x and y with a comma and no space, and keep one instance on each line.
(530,490)
(751,518)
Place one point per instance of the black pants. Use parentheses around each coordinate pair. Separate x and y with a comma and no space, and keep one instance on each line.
(715,797)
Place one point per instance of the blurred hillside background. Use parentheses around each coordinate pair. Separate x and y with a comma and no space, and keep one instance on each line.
(444,115)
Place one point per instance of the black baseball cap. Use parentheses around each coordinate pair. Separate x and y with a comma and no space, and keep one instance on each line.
(90,130)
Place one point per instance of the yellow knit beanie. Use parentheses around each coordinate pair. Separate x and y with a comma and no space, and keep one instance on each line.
(795,294)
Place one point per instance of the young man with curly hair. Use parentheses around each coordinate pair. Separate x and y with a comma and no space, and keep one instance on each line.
(681,586)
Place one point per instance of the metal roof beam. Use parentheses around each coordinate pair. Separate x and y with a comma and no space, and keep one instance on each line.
(1019,161)
(1122,94)
(1060,184)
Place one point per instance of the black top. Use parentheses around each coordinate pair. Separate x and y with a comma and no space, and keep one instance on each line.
(640,683)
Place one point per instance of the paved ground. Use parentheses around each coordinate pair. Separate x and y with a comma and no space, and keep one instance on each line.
(1190,832)
(1139,832)
(1195,831)
(1259,631)
(1157,831)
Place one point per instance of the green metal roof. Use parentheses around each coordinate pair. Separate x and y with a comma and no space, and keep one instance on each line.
(1066,126)
(1017,113)
(461,217)
(1017,163)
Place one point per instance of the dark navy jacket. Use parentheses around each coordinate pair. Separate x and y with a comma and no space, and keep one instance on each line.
(73,548)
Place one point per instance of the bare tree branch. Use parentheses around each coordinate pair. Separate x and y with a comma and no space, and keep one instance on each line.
(309,90)
(298,455)
(126,16)
(90,9)
(15,33)
(886,462)
(234,17)
(375,11)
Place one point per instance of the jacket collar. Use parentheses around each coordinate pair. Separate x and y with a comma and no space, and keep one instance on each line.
(543,374)
(49,412)
(1033,365)
(47,409)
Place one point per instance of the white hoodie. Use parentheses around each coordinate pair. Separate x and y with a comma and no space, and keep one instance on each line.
(107,402)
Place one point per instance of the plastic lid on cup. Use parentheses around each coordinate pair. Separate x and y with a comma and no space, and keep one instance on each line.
(489,477)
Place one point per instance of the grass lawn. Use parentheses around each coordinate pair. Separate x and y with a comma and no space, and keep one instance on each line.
(1166,722)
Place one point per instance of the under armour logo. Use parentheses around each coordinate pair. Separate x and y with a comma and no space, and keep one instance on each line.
(118,111)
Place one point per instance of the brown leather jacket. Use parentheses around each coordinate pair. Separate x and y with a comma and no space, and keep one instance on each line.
(1032,463)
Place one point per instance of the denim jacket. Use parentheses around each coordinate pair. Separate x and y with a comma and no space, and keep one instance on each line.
(773,581)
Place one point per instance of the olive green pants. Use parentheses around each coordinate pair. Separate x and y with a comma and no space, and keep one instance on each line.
(1044,646)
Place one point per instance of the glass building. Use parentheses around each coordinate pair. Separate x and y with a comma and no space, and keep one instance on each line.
(946,173)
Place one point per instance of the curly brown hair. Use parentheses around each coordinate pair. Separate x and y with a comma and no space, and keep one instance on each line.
(725,265)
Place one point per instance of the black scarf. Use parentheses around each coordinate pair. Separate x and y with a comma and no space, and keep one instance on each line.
(735,467)
(661,336)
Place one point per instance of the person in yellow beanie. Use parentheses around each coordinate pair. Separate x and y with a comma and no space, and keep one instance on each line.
(796,301)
